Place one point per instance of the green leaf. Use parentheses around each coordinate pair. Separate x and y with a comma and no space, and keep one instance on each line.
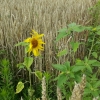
(97,64)
(97,84)
(26,49)
(88,67)
(62,33)
(98,32)
(95,94)
(21,43)
(91,61)
(67,64)
(61,80)
(63,52)
(60,67)
(94,54)
(88,85)
(87,91)
(20,65)
(38,74)
(75,46)
(28,62)
(19,87)
(79,62)
(76,68)
(78,78)
(76,28)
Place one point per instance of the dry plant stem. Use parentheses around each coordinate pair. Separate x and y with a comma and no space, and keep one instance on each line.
(44,96)
(78,89)
(59,95)
(97,98)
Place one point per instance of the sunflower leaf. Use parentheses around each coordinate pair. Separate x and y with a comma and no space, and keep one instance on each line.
(21,43)
(38,74)
(28,62)
(19,87)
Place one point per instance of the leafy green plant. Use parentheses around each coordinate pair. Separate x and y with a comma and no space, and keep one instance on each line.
(6,81)
(69,73)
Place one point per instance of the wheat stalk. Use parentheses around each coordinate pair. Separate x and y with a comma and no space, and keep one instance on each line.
(59,95)
(78,89)
(44,96)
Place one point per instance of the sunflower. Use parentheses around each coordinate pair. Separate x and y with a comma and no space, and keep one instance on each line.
(35,43)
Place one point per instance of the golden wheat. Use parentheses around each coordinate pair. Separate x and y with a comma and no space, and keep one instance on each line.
(18,17)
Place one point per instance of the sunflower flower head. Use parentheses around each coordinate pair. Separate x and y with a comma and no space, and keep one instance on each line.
(35,43)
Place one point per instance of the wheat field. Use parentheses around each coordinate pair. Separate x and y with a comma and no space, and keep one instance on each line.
(19,17)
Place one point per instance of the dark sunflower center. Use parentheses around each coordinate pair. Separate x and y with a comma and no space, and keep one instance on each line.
(34,43)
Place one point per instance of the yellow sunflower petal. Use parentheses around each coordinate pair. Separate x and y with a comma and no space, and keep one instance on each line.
(27,40)
(29,49)
(35,33)
(35,52)
(40,47)
(40,41)
(37,36)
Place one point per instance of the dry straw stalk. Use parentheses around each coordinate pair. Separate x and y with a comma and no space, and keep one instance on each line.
(18,17)
(44,95)
(79,89)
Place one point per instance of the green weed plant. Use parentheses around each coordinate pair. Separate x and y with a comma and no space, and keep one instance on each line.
(70,73)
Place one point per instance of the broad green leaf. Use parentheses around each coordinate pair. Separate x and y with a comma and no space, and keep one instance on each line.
(60,67)
(89,28)
(67,64)
(72,75)
(75,46)
(62,33)
(72,25)
(26,49)
(98,32)
(78,78)
(63,52)
(87,91)
(19,87)
(97,64)
(61,80)
(94,54)
(76,68)
(62,30)
(38,74)
(20,65)
(88,85)
(88,67)
(91,61)
(28,62)
(79,62)
(97,84)
(21,43)
(76,28)
(95,93)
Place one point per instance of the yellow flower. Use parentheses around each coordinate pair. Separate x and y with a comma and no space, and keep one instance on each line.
(35,43)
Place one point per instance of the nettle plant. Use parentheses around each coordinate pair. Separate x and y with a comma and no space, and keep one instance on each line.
(90,65)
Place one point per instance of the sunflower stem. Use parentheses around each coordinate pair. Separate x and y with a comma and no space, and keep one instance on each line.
(30,81)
